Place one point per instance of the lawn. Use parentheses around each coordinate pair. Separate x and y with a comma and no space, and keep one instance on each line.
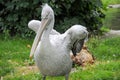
(15,63)
(112,17)
(108,2)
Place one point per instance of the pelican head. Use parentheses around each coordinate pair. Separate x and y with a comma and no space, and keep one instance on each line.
(47,17)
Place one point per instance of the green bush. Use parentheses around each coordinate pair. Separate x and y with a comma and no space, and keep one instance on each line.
(15,14)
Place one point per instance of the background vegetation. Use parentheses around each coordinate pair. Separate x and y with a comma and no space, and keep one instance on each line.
(108,2)
(112,17)
(15,14)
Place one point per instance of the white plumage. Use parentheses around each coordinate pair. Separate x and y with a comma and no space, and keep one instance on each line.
(51,49)
(35,24)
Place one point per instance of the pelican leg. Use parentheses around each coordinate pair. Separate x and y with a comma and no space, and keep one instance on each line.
(66,76)
(44,78)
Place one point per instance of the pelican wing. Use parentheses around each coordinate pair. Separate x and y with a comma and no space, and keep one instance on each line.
(77,35)
(77,46)
(35,24)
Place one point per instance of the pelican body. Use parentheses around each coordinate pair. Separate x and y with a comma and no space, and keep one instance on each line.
(51,49)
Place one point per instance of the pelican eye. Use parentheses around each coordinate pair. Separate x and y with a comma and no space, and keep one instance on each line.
(45,17)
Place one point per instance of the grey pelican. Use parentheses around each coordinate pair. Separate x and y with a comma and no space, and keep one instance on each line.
(52,51)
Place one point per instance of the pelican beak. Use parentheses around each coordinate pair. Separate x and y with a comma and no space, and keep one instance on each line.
(38,36)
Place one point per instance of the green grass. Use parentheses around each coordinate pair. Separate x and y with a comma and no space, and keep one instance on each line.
(14,61)
(112,18)
(13,52)
(14,49)
(106,49)
(108,2)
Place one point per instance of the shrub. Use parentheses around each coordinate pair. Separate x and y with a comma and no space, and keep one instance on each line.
(15,14)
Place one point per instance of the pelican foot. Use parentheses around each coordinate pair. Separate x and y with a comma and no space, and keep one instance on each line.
(66,76)
(44,78)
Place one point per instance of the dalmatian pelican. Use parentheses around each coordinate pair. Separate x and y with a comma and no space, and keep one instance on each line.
(51,49)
